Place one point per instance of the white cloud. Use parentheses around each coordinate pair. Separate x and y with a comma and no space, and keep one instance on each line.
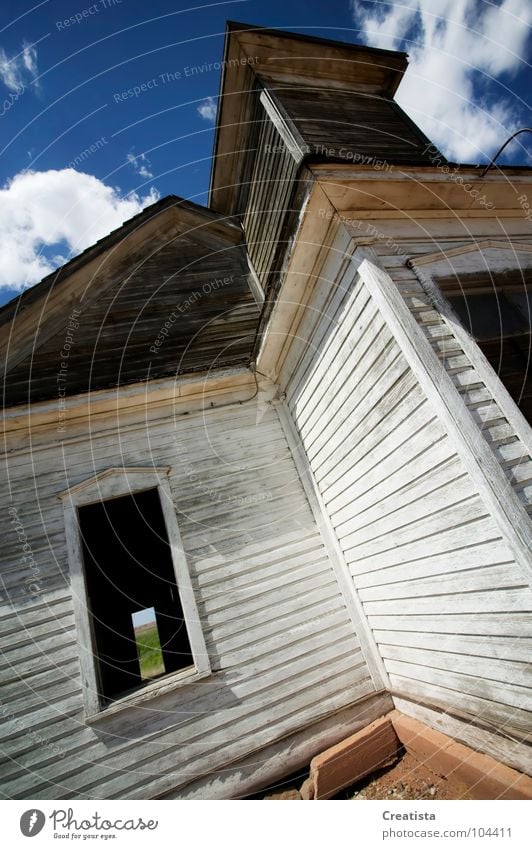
(457,49)
(141,164)
(43,209)
(29,59)
(19,70)
(207,109)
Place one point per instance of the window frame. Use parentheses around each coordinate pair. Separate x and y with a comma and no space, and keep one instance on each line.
(468,259)
(104,486)
(472,346)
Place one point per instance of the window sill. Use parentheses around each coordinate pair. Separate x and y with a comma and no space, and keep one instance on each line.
(160,687)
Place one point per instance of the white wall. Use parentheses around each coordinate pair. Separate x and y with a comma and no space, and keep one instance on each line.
(442,592)
(499,421)
(280,641)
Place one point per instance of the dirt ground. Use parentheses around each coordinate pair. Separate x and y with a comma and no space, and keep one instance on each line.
(408,779)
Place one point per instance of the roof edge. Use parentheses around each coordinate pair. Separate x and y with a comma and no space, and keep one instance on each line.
(33,293)
(235,28)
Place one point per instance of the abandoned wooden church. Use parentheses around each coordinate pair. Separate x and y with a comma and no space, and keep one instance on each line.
(268,463)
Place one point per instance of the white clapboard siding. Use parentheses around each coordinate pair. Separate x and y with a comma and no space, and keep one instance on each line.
(280,640)
(233,716)
(440,587)
(518,649)
(446,563)
(482,403)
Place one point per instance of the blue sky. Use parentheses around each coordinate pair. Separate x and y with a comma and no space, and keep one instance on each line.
(80,152)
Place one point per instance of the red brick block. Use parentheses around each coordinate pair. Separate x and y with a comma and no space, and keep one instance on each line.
(482,776)
(424,743)
(487,778)
(347,762)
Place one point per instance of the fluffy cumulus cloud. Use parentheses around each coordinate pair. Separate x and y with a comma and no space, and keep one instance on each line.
(458,51)
(207,109)
(46,217)
(19,70)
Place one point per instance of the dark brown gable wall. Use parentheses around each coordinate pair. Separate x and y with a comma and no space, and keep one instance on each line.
(183,308)
(350,126)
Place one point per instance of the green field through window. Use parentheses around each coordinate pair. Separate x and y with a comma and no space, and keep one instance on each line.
(148,643)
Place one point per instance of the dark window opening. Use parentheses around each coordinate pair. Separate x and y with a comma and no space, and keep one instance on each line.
(499,319)
(136,616)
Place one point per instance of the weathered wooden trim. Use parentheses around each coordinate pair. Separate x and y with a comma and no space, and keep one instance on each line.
(312,240)
(420,174)
(290,235)
(487,374)
(92,490)
(410,194)
(341,569)
(136,418)
(428,259)
(124,708)
(184,584)
(254,283)
(84,636)
(113,483)
(194,391)
(493,486)
(410,214)
(294,144)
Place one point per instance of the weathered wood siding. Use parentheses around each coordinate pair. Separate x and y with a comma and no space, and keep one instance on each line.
(449,608)
(352,126)
(183,305)
(266,200)
(308,123)
(512,455)
(280,640)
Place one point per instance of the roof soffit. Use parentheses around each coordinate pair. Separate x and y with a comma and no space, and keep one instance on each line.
(47,311)
(254,56)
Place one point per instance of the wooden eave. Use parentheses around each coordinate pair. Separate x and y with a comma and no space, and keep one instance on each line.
(255,55)
(138,403)
(422,191)
(338,195)
(187,209)
(278,53)
(172,215)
